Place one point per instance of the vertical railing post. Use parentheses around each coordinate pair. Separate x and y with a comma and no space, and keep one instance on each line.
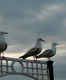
(32,69)
(6,65)
(50,69)
(27,65)
(37,70)
(1,66)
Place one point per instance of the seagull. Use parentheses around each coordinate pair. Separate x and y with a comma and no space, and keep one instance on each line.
(49,52)
(35,50)
(3,44)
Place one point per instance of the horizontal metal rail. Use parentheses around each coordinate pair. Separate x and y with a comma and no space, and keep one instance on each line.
(36,70)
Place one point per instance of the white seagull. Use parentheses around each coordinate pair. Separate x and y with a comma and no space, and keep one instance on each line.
(35,50)
(3,44)
(49,52)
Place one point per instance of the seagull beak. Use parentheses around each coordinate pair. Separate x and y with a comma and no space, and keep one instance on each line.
(5,33)
(43,40)
(40,39)
(57,44)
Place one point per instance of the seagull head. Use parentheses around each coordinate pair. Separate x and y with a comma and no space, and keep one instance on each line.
(2,33)
(54,47)
(2,36)
(40,39)
(55,44)
(38,43)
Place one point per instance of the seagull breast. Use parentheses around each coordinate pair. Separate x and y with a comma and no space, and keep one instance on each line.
(3,47)
(3,44)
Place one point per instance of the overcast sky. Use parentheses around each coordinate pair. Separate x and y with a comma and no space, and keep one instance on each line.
(26,20)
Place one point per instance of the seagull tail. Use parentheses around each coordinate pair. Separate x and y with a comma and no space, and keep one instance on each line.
(22,57)
(37,56)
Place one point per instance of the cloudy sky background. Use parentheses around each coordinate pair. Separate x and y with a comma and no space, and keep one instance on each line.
(26,20)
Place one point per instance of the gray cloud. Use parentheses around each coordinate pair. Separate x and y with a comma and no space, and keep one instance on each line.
(25,20)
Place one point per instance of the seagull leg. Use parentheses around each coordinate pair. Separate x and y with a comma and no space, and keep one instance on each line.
(34,58)
(49,59)
(3,54)
(3,57)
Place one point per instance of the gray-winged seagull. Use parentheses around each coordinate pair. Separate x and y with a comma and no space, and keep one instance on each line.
(35,50)
(49,52)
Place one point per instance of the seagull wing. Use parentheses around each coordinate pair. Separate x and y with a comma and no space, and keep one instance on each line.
(46,53)
(31,52)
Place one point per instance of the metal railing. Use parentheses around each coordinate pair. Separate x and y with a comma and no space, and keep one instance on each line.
(37,70)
